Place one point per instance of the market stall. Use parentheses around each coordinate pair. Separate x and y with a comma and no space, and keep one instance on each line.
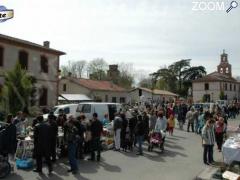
(231,150)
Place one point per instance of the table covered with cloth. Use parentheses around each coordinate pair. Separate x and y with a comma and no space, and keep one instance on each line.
(231,150)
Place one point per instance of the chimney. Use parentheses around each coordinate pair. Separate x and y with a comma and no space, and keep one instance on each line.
(46,44)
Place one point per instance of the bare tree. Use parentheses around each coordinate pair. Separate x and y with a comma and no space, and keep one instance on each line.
(76,68)
(80,68)
(97,69)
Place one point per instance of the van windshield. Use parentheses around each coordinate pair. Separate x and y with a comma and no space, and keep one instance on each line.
(86,108)
(66,110)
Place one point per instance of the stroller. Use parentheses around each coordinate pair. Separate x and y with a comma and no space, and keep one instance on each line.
(156,139)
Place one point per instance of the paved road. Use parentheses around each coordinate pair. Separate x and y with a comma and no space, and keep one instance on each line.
(182,160)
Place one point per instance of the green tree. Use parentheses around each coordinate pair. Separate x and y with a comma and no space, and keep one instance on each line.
(221,95)
(18,90)
(179,75)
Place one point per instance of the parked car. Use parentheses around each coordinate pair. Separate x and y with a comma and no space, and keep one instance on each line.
(89,108)
(69,109)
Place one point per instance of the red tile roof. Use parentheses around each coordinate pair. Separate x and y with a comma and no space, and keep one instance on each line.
(97,84)
(215,76)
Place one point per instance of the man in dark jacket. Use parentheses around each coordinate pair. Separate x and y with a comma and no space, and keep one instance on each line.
(54,134)
(96,130)
(146,125)
(81,131)
(42,144)
(132,125)
(139,132)
(72,137)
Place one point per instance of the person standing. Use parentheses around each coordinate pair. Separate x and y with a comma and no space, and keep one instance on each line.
(146,125)
(71,137)
(105,120)
(42,144)
(171,124)
(152,120)
(54,135)
(81,131)
(117,127)
(208,140)
(132,124)
(219,132)
(139,133)
(180,116)
(190,118)
(62,118)
(123,131)
(161,126)
(96,131)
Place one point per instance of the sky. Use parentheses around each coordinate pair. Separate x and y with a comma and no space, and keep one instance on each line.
(146,33)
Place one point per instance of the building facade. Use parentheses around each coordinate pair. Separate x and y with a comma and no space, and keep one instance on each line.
(141,94)
(101,91)
(217,85)
(40,61)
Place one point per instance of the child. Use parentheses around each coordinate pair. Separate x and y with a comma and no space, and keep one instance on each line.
(171,124)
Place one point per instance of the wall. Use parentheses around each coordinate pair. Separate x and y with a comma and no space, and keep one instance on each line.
(48,80)
(73,88)
(214,91)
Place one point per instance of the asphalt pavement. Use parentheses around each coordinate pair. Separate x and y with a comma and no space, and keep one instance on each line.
(181,160)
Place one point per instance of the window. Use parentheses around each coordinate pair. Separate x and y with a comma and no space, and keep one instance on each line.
(106,98)
(43,97)
(234,87)
(114,99)
(226,87)
(44,64)
(1,56)
(230,87)
(227,71)
(66,110)
(122,99)
(221,70)
(206,86)
(23,59)
(86,108)
(64,87)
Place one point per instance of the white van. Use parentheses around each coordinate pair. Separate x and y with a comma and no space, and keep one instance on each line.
(69,109)
(89,108)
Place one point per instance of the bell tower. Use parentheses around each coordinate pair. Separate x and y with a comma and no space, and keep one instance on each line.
(224,67)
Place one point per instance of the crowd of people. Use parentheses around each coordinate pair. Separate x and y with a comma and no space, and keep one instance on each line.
(131,128)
